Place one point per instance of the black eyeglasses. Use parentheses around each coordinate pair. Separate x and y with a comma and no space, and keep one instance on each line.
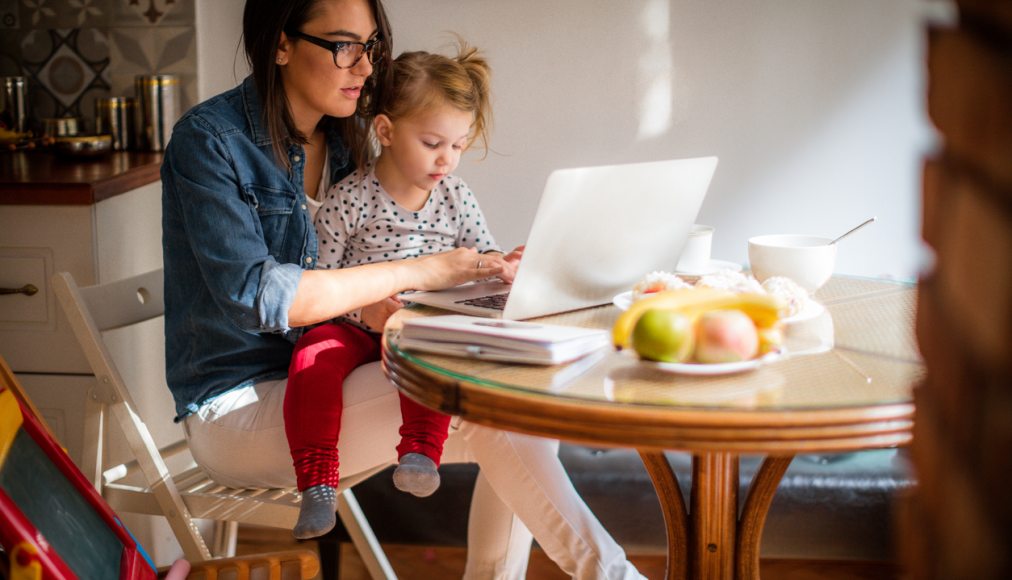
(346,53)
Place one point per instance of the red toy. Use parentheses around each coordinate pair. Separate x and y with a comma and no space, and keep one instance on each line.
(53,524)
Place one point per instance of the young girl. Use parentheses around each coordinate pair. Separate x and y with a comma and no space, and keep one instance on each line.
(405,205)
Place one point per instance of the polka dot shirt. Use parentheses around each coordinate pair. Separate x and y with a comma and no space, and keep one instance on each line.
(359,223)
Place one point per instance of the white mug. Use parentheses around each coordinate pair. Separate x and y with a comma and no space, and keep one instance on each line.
(696,255)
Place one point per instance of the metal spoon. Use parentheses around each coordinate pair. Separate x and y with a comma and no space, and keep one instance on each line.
(852,230)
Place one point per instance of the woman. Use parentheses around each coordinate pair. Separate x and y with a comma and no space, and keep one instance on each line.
(239,177)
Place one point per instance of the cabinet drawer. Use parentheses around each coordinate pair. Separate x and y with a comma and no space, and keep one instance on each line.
(24,280)
(35,243)
(113,239)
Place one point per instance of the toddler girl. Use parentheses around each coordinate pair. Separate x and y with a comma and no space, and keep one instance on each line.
(404,205)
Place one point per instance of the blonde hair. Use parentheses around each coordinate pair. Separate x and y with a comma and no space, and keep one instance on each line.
(421,81)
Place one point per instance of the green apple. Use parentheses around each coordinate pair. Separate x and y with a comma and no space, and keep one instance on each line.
(663,335)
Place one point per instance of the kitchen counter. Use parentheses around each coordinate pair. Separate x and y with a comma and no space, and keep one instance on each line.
(45,178)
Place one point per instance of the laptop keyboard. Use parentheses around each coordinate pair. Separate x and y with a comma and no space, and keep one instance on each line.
(492,301)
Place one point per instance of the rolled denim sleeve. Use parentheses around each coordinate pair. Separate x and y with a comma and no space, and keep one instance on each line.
(278,283)
(215,218)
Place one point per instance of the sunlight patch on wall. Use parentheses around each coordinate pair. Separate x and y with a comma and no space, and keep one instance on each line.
(655,71)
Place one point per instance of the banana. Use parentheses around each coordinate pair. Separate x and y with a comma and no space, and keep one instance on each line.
(668,299)
(763,309)
(6,134)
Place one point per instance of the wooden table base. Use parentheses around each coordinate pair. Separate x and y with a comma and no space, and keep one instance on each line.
(712,540)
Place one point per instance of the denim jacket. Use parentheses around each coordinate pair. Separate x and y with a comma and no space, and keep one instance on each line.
(236,236)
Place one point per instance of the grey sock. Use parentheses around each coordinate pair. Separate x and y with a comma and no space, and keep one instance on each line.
(317,514)
(416,474)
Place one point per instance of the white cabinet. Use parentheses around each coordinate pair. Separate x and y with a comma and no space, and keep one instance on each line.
(101,242)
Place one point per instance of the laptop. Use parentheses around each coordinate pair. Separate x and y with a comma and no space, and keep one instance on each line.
(597,231)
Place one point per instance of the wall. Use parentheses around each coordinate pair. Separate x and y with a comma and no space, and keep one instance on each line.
(221,63)
(814,107)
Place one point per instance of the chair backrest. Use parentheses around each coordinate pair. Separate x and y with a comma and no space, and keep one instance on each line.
(102,307)
(125,302)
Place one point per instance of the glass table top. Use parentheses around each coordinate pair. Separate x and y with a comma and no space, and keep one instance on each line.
(859,352)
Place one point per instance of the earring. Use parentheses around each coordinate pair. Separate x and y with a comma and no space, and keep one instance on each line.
(281,60)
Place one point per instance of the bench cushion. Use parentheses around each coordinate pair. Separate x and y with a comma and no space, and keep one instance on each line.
(828,507)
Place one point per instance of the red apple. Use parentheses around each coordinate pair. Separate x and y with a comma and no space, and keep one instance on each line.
(724,336)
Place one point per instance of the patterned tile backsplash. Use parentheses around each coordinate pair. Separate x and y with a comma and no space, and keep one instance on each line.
(75,51)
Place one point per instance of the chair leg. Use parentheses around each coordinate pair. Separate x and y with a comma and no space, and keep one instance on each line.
(362,536)
(226,535)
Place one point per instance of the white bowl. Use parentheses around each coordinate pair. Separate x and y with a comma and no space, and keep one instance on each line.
(808,260)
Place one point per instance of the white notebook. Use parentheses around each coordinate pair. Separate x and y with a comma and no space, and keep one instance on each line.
(502,340)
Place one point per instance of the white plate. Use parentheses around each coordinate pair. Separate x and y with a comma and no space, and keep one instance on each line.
(712,267)
(714,369)
(623,300)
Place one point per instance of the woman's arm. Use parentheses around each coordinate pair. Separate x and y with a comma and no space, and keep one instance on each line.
(325,294)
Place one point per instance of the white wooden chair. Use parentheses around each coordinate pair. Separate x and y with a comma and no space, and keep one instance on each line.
(182,494)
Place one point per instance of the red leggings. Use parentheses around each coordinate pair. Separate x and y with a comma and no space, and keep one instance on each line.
(323,357)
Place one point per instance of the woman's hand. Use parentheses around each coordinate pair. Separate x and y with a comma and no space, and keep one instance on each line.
(452,268)
(375,315)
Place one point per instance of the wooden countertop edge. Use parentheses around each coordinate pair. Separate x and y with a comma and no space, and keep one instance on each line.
(80,193)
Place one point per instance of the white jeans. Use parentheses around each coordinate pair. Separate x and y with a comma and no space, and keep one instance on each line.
(239,439)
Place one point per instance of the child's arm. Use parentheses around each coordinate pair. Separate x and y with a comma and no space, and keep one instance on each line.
(474,233)
(473,230)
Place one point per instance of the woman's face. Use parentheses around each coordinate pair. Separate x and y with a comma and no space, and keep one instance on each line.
(315,87)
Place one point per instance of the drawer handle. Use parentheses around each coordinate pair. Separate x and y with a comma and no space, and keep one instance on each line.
(27,290)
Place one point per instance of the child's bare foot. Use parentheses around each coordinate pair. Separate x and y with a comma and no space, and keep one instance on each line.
(416,474)
(317,514)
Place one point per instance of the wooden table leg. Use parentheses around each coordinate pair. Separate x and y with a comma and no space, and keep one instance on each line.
(753,514)
(713,515)
(673,507)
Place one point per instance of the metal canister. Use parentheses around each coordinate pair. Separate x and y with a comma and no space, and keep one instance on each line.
(14,103)
(115,116)
(159,100)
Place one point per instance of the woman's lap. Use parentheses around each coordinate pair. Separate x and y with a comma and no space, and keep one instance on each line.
(239,437)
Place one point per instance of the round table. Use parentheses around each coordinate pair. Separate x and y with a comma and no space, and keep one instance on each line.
(847,385)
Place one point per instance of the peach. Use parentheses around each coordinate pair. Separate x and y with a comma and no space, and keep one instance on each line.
(724,336)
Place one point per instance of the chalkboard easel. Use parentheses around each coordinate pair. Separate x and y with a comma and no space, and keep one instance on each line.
(52,521)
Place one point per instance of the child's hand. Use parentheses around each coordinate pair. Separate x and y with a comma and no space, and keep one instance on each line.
(514,256)
(510,262)
(375,315)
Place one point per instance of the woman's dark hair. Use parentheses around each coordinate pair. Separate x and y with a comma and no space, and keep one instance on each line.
(263,21)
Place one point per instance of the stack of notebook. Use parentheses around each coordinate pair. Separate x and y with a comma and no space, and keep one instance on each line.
(502,340)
